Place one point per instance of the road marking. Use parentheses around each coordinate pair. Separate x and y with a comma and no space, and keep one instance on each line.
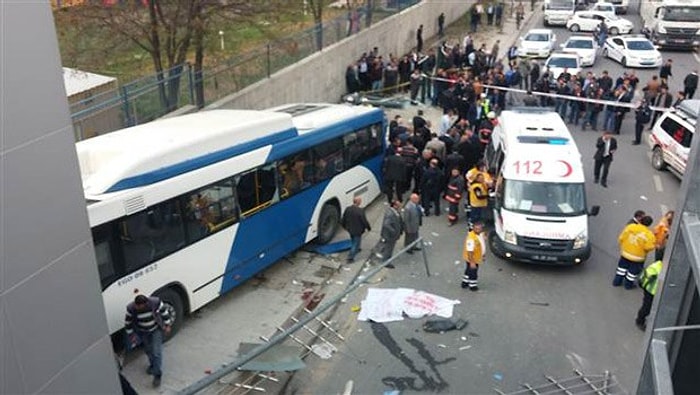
(657,183)
(664,209)
(697,57)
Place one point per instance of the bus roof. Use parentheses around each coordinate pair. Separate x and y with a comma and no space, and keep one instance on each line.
(310,116)
(539,147)
(158,150)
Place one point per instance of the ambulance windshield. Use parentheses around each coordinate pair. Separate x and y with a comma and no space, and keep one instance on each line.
(544,198)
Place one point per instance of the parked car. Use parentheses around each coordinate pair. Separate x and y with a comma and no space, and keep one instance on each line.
(672,135)
(632,51)
(588,21)
(584,46)
(538,43)
(558,62)
(605,8)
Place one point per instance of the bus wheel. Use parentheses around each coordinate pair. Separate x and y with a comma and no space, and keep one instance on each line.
(173,302)
(328,223)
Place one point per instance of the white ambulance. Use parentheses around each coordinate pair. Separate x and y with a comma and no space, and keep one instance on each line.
(540,212)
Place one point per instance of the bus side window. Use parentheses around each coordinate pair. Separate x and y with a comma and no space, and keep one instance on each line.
(328,159)
(268,186)
(152,234)
(106,247)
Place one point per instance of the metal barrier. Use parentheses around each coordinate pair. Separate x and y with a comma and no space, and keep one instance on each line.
(144,100)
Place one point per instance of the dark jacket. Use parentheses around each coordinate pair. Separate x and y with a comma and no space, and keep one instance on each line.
(394,168)
(691,81)
(355,221)
(392,225)
(600,149)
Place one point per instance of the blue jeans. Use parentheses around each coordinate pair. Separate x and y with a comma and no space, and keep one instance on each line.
(354,246)
(609,121)
(153,347)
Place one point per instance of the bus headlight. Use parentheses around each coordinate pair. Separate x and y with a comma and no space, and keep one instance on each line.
(580,241)
(509,237)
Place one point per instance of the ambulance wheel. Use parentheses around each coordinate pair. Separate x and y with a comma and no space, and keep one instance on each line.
(494,246)
(657,159)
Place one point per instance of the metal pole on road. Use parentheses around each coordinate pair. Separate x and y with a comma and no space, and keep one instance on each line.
(278,338)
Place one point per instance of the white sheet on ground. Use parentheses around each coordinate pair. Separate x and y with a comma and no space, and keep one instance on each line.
(389,304)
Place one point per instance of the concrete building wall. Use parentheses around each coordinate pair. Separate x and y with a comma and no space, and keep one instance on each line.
(321,76)
(53,332)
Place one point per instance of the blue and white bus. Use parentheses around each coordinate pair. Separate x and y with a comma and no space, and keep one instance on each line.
(189,207)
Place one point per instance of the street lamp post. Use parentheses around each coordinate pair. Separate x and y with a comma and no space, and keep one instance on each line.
(221,37)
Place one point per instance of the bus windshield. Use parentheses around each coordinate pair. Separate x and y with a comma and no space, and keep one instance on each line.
(681,14)
(544,198)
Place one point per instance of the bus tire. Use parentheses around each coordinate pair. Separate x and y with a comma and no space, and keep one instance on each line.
(328,222)
(173,302)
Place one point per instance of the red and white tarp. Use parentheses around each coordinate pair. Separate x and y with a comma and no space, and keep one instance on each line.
(390,304)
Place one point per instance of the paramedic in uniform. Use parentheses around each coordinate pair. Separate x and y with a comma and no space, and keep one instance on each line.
(473,254)
(636,241)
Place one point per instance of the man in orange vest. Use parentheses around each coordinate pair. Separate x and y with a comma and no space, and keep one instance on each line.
(473,254)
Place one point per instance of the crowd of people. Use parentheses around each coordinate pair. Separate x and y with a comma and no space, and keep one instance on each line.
(443,163)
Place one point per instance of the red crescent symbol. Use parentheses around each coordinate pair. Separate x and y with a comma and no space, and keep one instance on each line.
(569,169)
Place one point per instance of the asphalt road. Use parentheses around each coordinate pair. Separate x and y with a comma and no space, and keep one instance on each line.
(526,321)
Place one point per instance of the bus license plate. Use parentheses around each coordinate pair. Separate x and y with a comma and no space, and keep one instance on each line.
(544,258)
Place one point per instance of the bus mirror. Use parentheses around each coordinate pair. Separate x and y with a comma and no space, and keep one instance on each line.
(594,211)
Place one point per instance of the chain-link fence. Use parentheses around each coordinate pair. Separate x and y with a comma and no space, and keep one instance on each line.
(151,97)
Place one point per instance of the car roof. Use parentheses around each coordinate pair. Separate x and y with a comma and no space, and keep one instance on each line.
(563,55)
(540,31)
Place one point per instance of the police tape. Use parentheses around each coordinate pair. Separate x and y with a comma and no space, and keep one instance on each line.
(613,103)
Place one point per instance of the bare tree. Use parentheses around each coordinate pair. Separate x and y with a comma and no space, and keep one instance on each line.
(169,31)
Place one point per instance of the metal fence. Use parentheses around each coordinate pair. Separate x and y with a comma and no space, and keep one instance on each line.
(142,100)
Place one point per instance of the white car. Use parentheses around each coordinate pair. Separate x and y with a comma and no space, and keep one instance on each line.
(587,21)
(562,61)
(632,51)
(537,43)
(584,46)
(607,9)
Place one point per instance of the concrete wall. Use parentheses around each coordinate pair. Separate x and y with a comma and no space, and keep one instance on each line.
(53,331)
(321,77)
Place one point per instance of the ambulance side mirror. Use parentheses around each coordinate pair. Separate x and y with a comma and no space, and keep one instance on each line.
(594,211)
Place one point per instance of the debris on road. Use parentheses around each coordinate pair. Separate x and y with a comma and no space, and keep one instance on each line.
(444,325)
(355,309)
(464,348)
(498,376)
(539,303)
(643,197)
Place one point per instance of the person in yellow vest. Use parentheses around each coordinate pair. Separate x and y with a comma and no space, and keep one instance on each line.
(478,198)
(479,168)
(636,241)
(661,234)
(473,254)
(649,283)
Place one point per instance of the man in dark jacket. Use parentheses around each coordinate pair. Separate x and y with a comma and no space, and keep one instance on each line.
(394,176)
(606,145)
(666,71)
(392,228)
(431,186)
(690,84)
(355,222)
